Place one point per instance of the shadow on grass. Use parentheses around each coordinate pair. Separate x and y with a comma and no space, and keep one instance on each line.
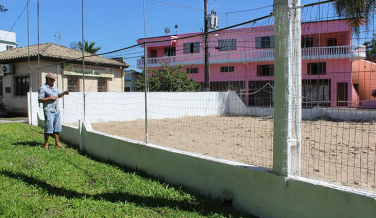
(30,143)
(201,208)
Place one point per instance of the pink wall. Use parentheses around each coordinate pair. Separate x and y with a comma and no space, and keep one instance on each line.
(364,74)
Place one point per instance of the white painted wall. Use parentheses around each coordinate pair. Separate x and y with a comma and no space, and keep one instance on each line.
(111,106)
(252,189)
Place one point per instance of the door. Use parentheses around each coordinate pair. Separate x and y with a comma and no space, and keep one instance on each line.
(342,94)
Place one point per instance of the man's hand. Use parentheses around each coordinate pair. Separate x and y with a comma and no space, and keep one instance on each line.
(66,93)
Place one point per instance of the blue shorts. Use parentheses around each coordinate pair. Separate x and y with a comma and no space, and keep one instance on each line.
(53,123)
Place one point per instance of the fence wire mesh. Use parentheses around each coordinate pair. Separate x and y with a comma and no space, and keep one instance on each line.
(235,119)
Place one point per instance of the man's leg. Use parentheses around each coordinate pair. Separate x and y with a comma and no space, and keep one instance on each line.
(46,136)
(48,129)
(56,134)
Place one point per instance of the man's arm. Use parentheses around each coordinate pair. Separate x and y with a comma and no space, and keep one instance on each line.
(62,94)
(41,100)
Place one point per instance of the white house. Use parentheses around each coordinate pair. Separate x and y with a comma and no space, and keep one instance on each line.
(16,78)
(7,40)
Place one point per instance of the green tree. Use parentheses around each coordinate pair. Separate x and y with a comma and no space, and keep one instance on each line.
(2,9)
(358,12)
(371,46)
(169,79)
(89,47)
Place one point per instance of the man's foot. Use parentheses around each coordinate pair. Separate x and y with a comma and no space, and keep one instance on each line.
(46,148)
(60,146)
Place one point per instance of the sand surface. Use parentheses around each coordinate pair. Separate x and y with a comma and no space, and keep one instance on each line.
(339,152)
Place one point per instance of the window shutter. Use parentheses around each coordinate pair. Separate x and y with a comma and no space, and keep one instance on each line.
(220,45)
(196,47)
(233,44)
(258,42)
(186,48)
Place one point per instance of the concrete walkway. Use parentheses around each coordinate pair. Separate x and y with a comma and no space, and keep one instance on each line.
(13,120)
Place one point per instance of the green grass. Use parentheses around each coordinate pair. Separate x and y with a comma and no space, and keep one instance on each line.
(66,183)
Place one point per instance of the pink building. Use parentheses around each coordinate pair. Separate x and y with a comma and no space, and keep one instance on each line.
(243,60)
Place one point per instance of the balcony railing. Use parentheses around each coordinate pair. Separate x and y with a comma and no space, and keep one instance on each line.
(354,52)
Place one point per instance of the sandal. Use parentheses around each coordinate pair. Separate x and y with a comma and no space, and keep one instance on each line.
(47,148)
(60,146)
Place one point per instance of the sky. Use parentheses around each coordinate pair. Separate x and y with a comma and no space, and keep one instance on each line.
(116,24)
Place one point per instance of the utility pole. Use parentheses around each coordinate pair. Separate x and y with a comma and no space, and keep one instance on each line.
(207,77)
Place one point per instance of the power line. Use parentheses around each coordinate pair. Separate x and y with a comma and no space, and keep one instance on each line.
(17,20)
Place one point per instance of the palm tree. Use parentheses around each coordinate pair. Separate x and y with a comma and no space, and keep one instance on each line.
(358,12)
(2,9)
(88,47)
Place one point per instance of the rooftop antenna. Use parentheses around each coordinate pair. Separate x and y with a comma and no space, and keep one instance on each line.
(59,36)
(176,28)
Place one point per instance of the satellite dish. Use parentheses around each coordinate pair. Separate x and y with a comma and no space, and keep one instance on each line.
(167,30)
(73,45)
(176,26)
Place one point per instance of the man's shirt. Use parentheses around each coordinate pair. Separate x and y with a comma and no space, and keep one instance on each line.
(46,91)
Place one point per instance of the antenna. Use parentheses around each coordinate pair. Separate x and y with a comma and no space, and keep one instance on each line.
(176,28)
(167,30)
(73,45)
(59,36)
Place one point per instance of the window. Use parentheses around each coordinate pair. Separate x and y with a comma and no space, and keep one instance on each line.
(331,42)
(316,93)
(265,70)
(265,42)
(21,85)
(127,89)
(227,44)
(227,69)
(169,51)
(193,47)
(316,68)
(307,42)
(1,86)
(153,53)
(10,47)
(73,84)
(261,93)
(102,85)
(192,70)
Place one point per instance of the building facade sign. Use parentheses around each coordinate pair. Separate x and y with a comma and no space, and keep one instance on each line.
(90,71)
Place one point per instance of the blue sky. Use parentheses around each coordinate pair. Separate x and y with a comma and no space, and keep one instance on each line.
(115,24)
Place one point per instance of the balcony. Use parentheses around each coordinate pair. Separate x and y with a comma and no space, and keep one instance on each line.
(353,52)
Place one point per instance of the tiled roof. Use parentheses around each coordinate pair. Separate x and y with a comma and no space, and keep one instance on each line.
(51,50)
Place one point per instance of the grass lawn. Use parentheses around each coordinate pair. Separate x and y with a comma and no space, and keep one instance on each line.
(66,183)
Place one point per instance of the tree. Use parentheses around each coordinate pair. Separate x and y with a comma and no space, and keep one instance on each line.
(88,47)
(2,9)
(371,47)
(169,79)
(358,12)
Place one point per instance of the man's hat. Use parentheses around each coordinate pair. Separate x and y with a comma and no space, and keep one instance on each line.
(51,75)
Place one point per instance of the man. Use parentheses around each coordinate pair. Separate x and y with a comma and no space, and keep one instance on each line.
(48,95)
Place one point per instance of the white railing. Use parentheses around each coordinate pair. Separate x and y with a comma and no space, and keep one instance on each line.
(350,51)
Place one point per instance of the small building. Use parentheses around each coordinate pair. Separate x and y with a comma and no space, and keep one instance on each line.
(7,40)
(101,74)
(130,79)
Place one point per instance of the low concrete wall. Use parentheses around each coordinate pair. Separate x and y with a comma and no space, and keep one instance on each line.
(252,189)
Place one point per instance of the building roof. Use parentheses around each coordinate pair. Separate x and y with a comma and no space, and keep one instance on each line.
(56,52)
